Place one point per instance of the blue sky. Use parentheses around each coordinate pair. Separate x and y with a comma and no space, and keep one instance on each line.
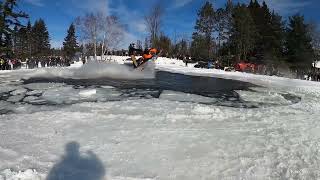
(179,18)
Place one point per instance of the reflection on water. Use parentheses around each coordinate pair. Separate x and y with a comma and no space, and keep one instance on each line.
(205,86)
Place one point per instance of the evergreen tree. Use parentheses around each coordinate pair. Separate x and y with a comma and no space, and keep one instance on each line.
(243,32)
(14,36)
(269,32)
(70,45)
(203,38)
(259,22)
(274,41)
(199,48)
(8,19)
(225,25)
(29,40)
(41,44)
(220,26)
(56,52)
(228,19)
(20,43)
(7,45)
(299,48)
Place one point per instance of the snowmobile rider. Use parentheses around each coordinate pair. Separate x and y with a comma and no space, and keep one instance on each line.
(147,54)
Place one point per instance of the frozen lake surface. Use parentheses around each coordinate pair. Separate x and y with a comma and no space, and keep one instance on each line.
(165,85)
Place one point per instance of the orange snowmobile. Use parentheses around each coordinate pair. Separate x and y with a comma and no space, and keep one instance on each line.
(147,54)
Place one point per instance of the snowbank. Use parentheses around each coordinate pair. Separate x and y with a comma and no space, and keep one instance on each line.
(164,138)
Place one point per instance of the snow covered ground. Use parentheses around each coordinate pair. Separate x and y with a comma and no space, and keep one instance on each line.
(88,133)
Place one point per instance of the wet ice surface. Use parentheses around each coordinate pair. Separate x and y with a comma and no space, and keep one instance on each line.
(150,129)
(165,85)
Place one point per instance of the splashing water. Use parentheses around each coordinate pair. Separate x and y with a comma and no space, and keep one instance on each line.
(93,70)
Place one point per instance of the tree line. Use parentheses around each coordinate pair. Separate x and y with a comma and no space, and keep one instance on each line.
(29,41)
(243,32)
(98,33)
(236,32)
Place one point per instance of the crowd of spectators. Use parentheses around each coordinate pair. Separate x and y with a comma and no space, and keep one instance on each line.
(9,64)
(52,61)
(34,62)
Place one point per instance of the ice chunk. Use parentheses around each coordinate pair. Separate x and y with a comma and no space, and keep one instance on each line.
(19,91)
(108,94)
(6,88)
(185,97)
(87,92)
(61,95)
(16,98)
(30,98)
(107,87)
(70,95)
(5,107)
(34,100)
(4,104)
(34,93)
(43,86)
(260,95)
(201,109)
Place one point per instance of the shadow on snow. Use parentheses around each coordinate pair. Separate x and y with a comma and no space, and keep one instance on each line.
(74,166)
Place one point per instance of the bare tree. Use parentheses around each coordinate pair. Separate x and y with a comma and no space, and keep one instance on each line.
(139,44)
(88,27)
(146,43)
(153,22)
(111,33)
(98,28)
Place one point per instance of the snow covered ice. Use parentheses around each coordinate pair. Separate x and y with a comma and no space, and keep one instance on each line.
(266,131)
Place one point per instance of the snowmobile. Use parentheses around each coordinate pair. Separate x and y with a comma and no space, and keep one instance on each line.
(147,55)
(139,64)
